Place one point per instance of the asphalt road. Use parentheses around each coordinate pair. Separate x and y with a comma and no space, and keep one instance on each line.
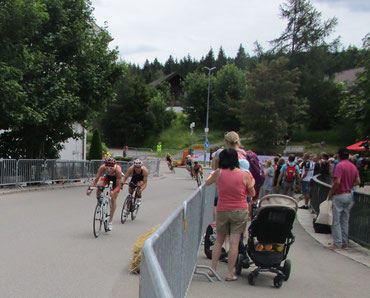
(48,250)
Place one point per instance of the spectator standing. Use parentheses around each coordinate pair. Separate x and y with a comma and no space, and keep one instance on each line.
(308,168)
(233,186)
(344,178)
(269,175)
(275,189)
(288,177)
(325,168)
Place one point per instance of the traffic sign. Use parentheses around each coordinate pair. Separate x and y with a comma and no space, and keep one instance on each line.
(206,145)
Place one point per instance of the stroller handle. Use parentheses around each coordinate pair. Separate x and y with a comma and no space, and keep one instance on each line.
(278,200)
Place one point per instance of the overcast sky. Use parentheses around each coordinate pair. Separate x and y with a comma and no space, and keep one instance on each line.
(148,29)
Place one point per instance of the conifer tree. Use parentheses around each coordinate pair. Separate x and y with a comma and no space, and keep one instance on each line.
(96,148)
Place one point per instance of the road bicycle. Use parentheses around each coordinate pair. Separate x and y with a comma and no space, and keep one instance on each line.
(102,209)
(171,167)
(130,204)
(198,179)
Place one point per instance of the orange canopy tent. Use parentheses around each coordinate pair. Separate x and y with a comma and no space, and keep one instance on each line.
(360,146)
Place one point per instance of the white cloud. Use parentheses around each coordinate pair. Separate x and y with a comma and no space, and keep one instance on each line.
(146,29)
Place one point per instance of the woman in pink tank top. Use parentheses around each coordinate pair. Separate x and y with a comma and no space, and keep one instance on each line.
(234,185)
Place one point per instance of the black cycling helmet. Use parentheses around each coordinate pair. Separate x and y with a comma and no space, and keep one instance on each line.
(110,162)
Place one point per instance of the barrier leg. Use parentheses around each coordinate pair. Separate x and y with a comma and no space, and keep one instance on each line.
(206,274)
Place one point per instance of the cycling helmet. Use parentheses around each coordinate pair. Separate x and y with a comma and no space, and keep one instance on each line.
(195,161)
(110,162)
(138,163)
(188,156)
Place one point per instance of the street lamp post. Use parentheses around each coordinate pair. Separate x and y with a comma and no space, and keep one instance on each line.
(206,143)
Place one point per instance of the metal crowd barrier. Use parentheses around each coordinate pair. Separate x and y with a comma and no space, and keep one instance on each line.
(359,222)
(26,171)
(8,171)
(169,255)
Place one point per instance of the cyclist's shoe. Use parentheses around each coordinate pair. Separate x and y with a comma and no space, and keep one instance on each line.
(124,213)
(110,226)
(100,200)
(138,202)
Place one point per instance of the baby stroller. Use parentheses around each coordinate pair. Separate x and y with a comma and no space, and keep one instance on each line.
(269,238)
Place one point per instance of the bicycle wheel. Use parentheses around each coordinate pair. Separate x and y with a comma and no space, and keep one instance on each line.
(135,211)
(199,181)
(106,215)
(98,218)
(125,209)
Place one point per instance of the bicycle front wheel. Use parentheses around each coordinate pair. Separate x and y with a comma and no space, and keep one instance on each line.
(125,209)
(98,218)
(106,215)
(135,211)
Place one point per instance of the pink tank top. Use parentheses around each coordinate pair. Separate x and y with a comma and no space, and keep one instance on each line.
(232,191)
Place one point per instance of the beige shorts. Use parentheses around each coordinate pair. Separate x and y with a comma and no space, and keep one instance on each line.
(231,222)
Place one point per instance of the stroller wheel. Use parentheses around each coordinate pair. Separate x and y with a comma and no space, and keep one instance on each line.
(251,279)
(286,269)
(278,281)
(239,264)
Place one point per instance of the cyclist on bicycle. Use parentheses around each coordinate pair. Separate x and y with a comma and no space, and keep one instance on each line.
(189,164)
(139,175)
(197,168)
(109,171)
(169,160)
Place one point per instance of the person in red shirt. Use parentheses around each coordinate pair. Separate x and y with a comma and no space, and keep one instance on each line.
(344,178)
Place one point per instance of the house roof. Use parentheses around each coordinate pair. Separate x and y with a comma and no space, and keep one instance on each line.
(165,79)
(348,76)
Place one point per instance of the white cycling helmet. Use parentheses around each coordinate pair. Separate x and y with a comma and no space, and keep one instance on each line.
(138,163)
(188,156)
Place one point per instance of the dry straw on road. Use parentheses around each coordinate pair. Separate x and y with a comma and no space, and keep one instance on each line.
(136,258)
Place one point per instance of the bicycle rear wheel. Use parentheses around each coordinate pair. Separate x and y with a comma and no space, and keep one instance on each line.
(125,209)
(135,211)
(98,218)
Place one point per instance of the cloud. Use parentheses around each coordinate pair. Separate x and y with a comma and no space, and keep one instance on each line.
(353,5)
(146,29)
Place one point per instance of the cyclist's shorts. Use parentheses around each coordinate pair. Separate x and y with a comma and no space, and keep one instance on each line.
(108,178)
(196,170)
(135,181)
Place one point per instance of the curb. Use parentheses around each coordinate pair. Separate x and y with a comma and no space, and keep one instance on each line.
(355,251)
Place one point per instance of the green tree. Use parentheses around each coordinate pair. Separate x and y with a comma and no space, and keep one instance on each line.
(221,59)
(356,105)
(241,58)
(229,91)
(138,112)
(270,100)
(209,60)
(195,87)
(96,148)
(304,29)
(170,66)
(57,70)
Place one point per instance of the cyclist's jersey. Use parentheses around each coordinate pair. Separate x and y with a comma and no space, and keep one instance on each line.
(196,168)
(109,177)
(169,158)
(137,177)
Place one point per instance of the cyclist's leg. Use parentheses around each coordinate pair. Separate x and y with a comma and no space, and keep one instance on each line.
(113,205)
(139,191)
(102,182)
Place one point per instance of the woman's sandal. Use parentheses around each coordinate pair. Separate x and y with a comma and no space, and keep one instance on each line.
(234,278)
